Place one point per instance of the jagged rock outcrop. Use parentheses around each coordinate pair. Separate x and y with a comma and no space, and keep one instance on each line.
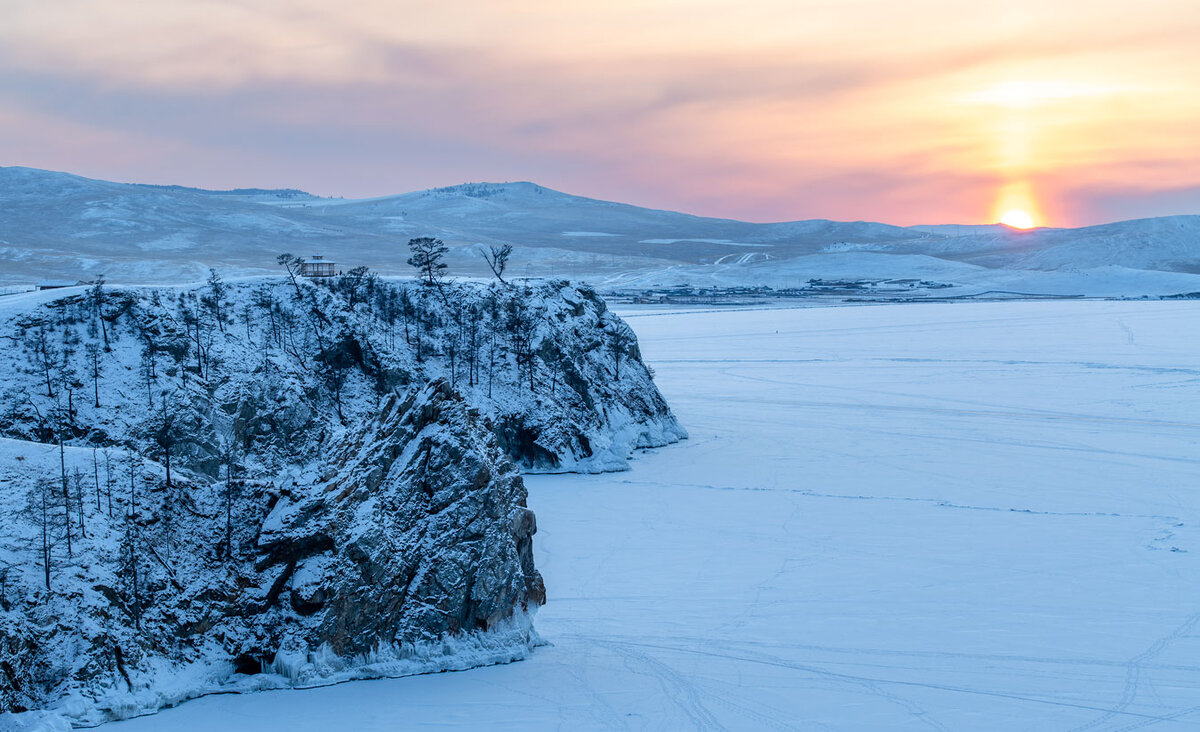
(409,550)
(419,527)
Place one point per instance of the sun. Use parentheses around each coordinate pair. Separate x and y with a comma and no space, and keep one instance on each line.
(1017,218)
(1017,206)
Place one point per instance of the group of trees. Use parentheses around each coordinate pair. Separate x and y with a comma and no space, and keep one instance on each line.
(82,340)
(428,256)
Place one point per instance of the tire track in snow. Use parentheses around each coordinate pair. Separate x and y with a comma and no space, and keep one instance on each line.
(937,502)
(777,721)
(858,679)
(953,412)
(679,689)
(1135,669)
(742,646)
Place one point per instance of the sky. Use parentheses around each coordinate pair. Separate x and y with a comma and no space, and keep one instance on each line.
(915,112)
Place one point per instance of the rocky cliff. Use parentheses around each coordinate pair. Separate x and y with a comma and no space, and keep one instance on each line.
(410,551)
(274,482)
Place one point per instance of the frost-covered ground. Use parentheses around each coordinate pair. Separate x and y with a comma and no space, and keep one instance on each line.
(948,517)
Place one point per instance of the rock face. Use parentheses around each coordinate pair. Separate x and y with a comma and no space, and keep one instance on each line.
(415,539)
(419,530)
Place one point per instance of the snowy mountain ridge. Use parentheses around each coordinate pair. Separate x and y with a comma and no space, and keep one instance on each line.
(60,226)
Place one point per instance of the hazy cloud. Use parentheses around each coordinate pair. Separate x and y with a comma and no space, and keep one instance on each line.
(780,110)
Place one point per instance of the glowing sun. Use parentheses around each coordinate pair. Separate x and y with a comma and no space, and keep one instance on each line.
(1017,218)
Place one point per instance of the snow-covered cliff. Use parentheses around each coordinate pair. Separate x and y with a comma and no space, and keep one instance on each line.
(264,371)
(253,484)
(411,552)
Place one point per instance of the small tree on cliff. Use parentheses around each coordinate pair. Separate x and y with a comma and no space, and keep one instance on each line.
(292,264)
(214,301)
(427,254)
(355,285)
(43,354)
(95,368)
(96,297)
(618,345)
(164,430)
(497,258)
(42,508)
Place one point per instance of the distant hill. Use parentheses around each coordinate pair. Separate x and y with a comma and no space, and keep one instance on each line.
(61,226)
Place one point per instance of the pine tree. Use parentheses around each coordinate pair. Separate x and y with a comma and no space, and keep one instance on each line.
(427,254)
(214,301)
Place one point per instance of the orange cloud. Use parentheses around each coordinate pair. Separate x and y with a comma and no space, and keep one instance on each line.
(918,112)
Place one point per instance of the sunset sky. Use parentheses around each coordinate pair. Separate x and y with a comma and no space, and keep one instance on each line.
(922,111)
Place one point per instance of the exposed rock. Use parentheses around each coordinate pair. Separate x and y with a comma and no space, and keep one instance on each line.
(365,550)
(415,539)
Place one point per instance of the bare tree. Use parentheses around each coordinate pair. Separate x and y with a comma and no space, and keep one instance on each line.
(66,490)
(77,480)
(43,355)
(128,567)
(95,367)
(353,283)
(262,299)
(108,479)
(522,329)
(96,476)
(229,457)
(148,369)
(68,379)
(496,257)
(96,296)
(334,376)
(495,324)
(45,493)
(163,430)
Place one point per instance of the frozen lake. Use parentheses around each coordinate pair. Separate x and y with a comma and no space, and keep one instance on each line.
(948,517)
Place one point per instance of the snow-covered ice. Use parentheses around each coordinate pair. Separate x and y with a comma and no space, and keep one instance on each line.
(970,516)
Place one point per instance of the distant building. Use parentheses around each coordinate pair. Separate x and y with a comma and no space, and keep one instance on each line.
(51,285)
(316,266)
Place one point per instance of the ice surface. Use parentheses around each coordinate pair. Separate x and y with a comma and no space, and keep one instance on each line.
(947,517)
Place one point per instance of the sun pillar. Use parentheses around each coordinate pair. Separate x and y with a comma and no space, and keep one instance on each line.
(1016,206)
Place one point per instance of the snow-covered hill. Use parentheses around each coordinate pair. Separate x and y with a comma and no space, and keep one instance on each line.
(59,226)
(1169,243)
